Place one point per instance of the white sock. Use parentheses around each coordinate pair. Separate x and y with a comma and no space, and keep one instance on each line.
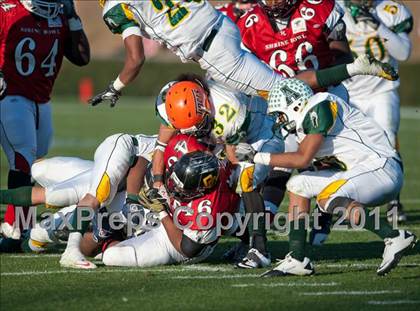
(74,240)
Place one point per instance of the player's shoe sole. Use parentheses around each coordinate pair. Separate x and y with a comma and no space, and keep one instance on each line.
(76,260)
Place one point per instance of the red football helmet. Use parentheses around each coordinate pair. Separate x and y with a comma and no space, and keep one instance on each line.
(179,145)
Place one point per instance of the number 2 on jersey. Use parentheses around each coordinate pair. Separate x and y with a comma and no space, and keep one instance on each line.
(174,11)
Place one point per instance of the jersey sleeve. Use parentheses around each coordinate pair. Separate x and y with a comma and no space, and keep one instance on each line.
(334,18)
(319,119)
(120,19)
(395,16)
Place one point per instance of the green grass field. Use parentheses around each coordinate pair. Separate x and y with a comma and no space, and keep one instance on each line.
(346,265)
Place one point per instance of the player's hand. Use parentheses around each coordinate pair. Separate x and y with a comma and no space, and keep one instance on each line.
(68,8)
(3,86)
(110,94)
(368,65)
(244,152)
(153,200)
(366,16)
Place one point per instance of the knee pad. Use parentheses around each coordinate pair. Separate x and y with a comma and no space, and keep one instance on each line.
(336,202)
(298,185)
(123,256)
(18,179)
(59,197)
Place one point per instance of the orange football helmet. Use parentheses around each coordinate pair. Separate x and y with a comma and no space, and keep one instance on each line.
(188,108)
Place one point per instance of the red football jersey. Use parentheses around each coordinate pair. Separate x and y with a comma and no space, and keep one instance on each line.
(301,45)
(221,199)
(228,10)
(31,50)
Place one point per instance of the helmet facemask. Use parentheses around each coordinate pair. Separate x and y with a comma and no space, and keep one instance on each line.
(44,8)
(280,8)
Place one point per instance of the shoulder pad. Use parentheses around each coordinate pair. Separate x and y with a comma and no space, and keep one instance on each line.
(395,16)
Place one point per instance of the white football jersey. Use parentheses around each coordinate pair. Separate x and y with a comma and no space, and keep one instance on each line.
(363,39)
(145,146)
(181,25)
(229,109)
(354,139)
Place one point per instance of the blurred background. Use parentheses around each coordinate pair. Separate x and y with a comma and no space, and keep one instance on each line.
(108,56)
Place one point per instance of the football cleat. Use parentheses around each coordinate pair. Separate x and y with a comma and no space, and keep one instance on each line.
(291,266)
(236,253)
(400,214)
(9,231)
(253,260)
(73,258)
(395,248)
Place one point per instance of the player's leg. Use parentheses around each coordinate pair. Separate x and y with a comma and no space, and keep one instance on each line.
(18,140)
(228,63)
(301,188)
(275,186)
(386,111)
(150,249)
(51,171)
(362,187)
(264,140)
(112,160)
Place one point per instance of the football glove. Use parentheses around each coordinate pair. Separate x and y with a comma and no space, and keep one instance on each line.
(368,65)
(110,94)
(244,152)
(3,86)
(153,200)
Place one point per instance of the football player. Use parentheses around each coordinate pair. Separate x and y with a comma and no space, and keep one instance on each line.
(208,109)
(118,167)
(197,182)
(35,35)
(195,31)
(293,36)
(357,168)
(380,29)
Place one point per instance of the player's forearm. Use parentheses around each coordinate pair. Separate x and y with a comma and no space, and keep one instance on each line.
(287,160)
(134,59)
(324,77)
(77,50)
(397,45)
(158,163)
(136,176)
(341,51)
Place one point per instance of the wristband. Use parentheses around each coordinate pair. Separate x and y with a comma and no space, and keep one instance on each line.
(158,178)
(162,215)
(118,85)
(160,146)
(75,24)
(262,158)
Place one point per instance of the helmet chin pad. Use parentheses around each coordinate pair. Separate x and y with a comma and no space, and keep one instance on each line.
(43,8)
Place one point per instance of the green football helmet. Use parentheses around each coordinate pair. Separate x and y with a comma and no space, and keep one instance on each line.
(286,102)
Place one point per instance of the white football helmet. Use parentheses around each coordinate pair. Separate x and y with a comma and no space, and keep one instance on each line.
(44,8)
(287,100)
